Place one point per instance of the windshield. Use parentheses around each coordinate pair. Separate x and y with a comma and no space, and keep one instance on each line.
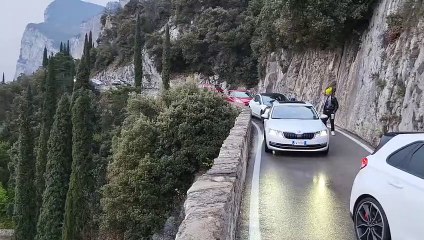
(294,112)
(240,95)
(267,100)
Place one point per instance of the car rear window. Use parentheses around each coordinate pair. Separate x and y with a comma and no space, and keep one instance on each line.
(267,100)
(400,157)
(240,95)
(416,165)
(294,112)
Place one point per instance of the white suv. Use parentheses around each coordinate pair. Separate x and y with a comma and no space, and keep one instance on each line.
(294,126)
(387,199)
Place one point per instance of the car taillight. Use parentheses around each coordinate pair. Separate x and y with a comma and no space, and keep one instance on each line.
(364,163)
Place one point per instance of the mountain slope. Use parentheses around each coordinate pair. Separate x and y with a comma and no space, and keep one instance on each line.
(380,74)
(63,20)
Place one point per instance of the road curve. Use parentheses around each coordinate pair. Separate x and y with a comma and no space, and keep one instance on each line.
(299,196)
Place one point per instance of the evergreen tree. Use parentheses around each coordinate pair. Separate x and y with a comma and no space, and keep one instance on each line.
(83,73)
(68,49)
(90,41)
(77,211)
(166,59)
(24,210)
(45,58)
(58,169)
(3,81)
(47,114)
(138,58)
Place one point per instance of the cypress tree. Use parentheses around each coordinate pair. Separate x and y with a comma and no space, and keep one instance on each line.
(68,49)
(166,59)
(24,210)
(58,169)
(45,58)
(81,186)
(83,73)
(138,58)
(90,41)
(47,114)
(3,81)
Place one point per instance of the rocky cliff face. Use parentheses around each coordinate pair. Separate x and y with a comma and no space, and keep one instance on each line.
(380,84)
(77,42)
(124,76)
(63,20)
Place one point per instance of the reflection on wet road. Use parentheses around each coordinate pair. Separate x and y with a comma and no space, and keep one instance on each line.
(304,196)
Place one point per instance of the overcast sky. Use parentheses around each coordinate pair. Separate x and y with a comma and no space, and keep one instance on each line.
(16,14)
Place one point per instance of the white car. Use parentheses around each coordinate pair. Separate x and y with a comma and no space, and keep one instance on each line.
(387,199)
(263,101)
(294,126)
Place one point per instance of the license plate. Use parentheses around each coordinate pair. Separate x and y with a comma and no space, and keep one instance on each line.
(299,143)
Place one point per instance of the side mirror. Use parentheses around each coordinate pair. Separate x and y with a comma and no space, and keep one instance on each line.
(323,117)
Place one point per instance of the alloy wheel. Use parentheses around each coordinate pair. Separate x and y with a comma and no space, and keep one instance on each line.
(369,223)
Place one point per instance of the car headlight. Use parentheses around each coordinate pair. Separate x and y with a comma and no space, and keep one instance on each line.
(274,132)
(322,133)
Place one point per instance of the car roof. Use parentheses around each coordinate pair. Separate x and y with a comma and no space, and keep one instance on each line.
(271,94)
(293,103)
(399,135)
(397,142)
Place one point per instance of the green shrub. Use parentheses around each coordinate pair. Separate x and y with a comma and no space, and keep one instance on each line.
(4,161)
(5,220)
(310,24)
(104,56)
(163,143)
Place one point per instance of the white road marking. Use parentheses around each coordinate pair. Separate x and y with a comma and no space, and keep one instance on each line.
(356,141)
(254,227)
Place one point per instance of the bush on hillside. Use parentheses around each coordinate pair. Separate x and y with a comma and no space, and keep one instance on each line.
(154,14)
(163,143)
(220,44)
(309,24)
(5,220)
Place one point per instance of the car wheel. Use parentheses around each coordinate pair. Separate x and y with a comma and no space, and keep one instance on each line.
(371,221)
(267,150)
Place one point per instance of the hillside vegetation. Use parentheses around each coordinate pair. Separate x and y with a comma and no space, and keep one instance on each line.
(232,38)
(80,164)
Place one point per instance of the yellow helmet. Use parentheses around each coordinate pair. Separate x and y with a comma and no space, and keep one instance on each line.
(329,91)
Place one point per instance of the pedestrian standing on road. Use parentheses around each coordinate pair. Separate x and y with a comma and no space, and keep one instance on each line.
(331,106)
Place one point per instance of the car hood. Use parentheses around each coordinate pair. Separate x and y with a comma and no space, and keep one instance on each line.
(295,125)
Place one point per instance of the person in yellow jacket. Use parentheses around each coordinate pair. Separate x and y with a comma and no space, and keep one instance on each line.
(331,106)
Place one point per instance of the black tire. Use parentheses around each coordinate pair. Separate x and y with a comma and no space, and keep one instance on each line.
(370,220)
(267,150)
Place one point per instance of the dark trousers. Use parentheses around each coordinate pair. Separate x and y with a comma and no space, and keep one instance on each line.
(331,120)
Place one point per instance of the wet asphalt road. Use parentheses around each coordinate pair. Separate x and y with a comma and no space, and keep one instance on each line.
(303,196)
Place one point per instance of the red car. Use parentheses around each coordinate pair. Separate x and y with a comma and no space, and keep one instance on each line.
(239,97)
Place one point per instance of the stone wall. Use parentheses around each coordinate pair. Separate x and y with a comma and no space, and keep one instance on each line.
(380,83)
(213,202)
(6,234)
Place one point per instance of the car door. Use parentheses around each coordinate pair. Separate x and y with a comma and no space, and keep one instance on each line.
(405,202)
(256,105)
(413,223)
